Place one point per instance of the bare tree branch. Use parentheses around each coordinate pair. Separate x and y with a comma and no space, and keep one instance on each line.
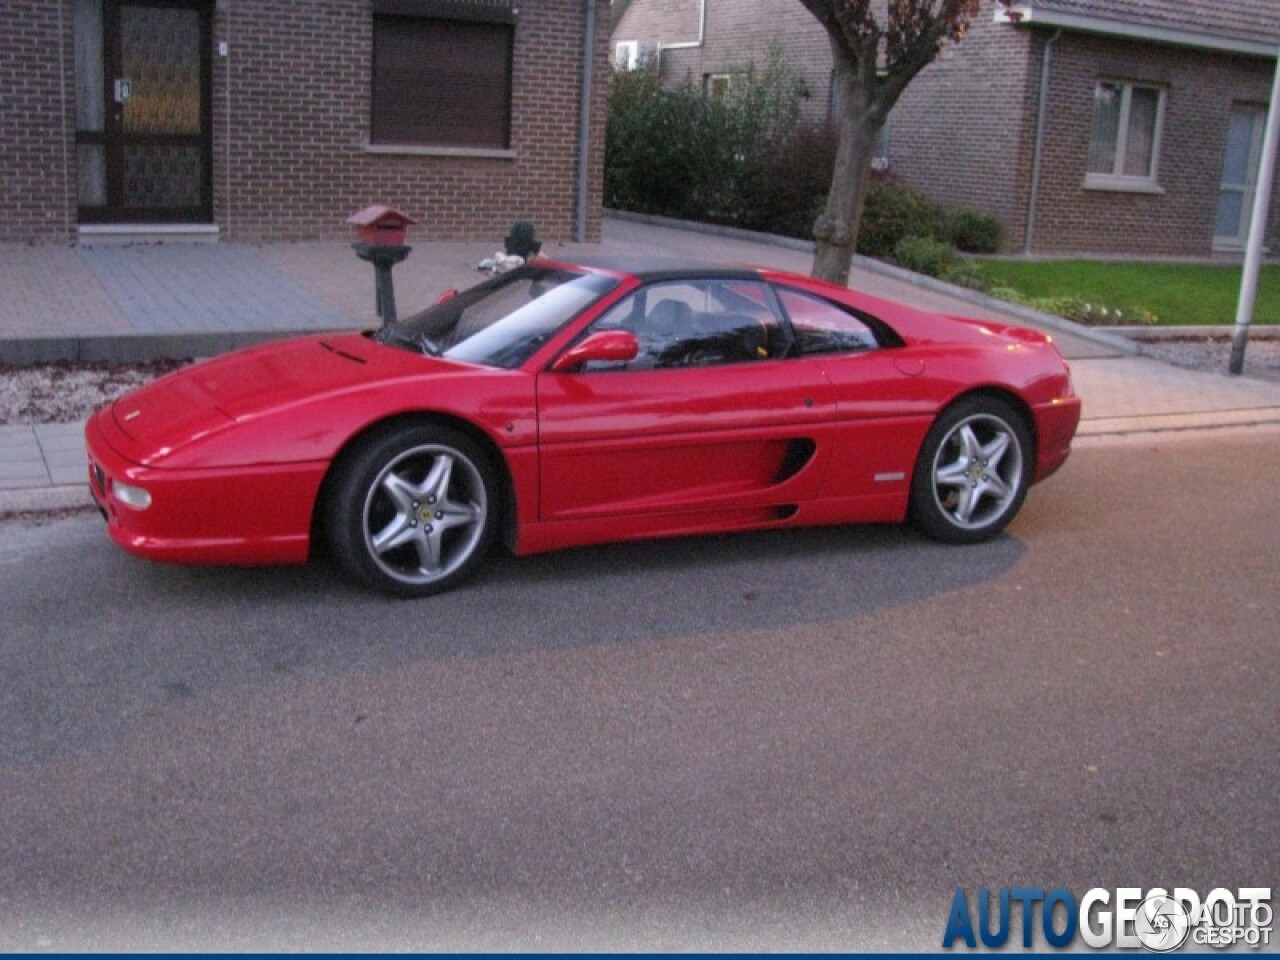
(874,64)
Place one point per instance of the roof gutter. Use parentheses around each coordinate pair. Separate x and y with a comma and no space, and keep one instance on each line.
(1041,112)
(1024,13)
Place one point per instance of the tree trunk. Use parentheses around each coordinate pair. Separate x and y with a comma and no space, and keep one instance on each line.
(836,230)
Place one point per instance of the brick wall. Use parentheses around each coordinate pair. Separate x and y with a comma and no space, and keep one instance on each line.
(659,21)
(291,107)
(36,161)
(1200,89)
(299,84)
(738,33)
(964,131)
(938,140)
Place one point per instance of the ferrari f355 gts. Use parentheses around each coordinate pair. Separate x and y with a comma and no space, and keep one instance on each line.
(564,404)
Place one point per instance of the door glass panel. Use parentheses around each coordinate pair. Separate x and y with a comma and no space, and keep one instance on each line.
(90,104)
(161,176)
(696,324)
(91,172)
(160,57)
(1239,174)
(1235,167)
(1230,212)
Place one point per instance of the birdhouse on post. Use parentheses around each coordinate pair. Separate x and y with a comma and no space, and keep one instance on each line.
(380,225)
(381,230)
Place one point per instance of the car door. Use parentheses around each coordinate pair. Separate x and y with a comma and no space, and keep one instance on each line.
(711,416)
(884,405)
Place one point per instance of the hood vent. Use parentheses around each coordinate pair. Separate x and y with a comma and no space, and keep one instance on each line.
(342,353)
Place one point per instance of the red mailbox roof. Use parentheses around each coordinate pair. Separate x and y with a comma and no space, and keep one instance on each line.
(380,215)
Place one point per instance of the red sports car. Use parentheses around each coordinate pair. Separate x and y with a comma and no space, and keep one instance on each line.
(564,404)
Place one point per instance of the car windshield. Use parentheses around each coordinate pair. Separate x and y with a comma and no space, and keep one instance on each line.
(501,322)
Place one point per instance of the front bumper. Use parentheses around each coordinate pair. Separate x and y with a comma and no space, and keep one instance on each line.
(1056,424)
(235,515)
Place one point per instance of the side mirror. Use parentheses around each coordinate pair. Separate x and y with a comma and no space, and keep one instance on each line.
(607,346)
(446,296)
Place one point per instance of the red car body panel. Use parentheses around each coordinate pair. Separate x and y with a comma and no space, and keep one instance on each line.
(247,514)
(235,451)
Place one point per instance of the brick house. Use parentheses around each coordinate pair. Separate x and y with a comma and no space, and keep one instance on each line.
(270,119)
(1112,127)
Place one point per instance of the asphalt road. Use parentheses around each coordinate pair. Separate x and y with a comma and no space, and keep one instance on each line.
(802,740)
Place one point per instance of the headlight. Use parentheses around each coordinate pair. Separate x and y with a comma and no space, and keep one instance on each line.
(131,496)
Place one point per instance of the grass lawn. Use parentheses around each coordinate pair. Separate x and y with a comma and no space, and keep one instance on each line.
(1176,293)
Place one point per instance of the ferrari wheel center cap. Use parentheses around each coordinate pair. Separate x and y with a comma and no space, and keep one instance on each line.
(424,515)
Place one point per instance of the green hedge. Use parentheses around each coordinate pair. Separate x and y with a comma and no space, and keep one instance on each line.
(676,152)
(895,211)
(749,160)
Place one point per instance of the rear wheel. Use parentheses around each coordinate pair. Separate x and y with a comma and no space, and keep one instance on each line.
(412,512)
(973,471)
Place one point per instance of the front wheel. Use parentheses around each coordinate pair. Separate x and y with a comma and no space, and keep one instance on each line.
(973,471)
(412,512)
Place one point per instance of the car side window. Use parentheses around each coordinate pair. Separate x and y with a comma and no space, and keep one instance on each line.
(697,324)
(824,327)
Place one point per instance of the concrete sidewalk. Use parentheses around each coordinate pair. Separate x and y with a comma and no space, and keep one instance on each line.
(131,302)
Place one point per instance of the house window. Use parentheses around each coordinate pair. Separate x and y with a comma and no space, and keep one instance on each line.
(1124,150)
(717,86)
(441,81)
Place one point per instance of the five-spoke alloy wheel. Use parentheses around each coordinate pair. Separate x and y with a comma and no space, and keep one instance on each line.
(973,471)
(413,511)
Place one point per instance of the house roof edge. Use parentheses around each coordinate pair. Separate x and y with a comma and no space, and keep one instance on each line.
(1026,13)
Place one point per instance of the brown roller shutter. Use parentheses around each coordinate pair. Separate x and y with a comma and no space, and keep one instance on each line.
(442,82)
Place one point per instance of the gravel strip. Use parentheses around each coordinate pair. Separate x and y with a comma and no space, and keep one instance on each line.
(68,393)
(1261,357)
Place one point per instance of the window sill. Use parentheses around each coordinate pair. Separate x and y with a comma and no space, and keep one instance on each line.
(411,150)
(1234,248)
(1095,181)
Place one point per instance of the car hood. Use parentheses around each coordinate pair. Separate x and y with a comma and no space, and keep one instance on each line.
(199,399)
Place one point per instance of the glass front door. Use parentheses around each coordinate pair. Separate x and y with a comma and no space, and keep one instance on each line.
(1239,176)
(143,110)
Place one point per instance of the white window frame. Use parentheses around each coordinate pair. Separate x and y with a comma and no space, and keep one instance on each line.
(1117,179)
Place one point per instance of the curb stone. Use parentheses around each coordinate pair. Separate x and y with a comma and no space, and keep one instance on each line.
(41,499)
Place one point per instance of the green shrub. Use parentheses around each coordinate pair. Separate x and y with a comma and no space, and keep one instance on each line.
(893,212)
(667,152)
(737,160)
(1010,295)
(747,159)
(966,272)
(972,232)
(1078,310)
(1101,315)
(785,187)
(925,255)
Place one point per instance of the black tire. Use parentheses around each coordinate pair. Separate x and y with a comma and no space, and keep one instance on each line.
(973,471)
(412,511)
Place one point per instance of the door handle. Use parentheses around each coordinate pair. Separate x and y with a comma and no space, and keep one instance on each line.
(123,89)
